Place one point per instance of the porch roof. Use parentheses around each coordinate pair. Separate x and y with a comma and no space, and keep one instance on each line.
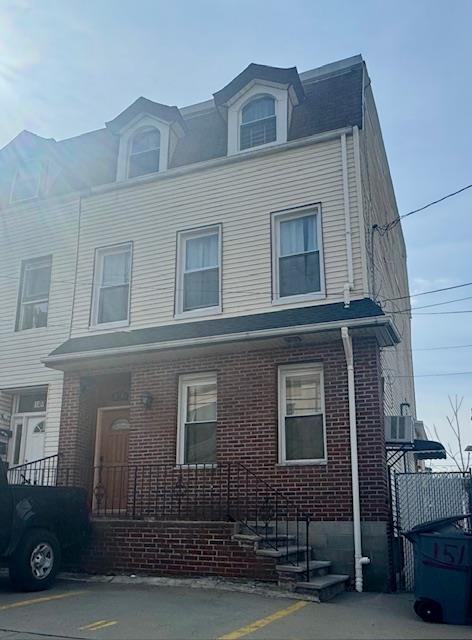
(360,315)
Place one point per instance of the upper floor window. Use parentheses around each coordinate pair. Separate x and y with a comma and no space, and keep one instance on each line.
(297,255)
(258,123)
(34,293)
(145,149)
(26,182)
(198,271)
(111,296)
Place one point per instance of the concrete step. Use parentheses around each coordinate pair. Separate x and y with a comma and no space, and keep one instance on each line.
(262,541)
(324,587)
(253,528)
(291,551)
(317,568)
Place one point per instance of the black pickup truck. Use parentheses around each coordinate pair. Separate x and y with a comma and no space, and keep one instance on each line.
(36,524)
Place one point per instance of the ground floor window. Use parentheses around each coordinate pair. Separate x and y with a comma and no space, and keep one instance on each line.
(301,414)
(197,419)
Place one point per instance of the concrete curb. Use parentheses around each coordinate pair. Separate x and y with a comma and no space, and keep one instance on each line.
(220,584)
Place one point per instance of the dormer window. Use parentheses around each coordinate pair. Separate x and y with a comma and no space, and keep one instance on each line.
(26,182)
(258,123)
(145,149)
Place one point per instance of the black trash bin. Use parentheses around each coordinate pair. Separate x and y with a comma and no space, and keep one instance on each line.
(443,569)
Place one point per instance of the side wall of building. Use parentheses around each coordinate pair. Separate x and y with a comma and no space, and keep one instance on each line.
(386,259)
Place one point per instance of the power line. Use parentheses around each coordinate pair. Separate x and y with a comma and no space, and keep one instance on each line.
(423,293)
(434,375)
(385,228)
(428,306)
(445,348)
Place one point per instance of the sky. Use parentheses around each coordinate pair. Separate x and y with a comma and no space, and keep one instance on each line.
(68,66)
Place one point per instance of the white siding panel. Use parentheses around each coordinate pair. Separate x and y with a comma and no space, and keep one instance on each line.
(240,196)
(26,232)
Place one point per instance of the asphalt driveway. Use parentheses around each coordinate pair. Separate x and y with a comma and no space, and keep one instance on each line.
(116,611)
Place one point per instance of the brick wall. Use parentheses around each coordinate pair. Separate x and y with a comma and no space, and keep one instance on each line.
(171,548)
(247,422)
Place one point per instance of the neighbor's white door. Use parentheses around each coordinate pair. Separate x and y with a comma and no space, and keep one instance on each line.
(34,428)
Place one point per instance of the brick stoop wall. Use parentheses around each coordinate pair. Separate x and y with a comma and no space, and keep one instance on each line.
(183,549)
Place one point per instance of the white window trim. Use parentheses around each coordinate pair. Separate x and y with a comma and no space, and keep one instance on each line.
(97,273)
(13,200)
(283,372)
(251,92)
(277,218)
(185,381)
(126,138)
(21,304)
(182,237)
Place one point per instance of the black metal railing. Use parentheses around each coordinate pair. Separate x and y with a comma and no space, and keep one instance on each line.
(222,492)
(37,472)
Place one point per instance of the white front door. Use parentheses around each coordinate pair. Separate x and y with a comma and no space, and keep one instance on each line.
(33,436)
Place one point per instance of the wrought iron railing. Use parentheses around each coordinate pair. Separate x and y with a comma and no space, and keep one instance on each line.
(223,492)
(38,472)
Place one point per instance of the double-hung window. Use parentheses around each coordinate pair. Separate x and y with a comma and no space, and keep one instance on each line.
(144,152)
(34,293)
(197,419)
(258,123)
(301,414)
(199,271)
(111,295)
(297,255)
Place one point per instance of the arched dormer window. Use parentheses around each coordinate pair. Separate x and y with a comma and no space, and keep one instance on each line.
(144,152)
(258,123)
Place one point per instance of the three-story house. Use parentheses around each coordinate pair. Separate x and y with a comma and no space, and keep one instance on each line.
(230,326)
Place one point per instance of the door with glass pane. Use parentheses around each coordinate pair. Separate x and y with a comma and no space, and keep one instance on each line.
(29,433)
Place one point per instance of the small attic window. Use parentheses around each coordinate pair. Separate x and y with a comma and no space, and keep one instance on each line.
(145,149)
(258,123)
(26,182)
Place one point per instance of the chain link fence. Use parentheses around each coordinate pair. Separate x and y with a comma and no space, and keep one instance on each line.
(417,498)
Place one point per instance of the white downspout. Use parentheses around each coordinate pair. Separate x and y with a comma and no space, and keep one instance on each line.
(349,285)
(359,559)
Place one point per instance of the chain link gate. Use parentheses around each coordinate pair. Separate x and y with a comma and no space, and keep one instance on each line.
(416,498)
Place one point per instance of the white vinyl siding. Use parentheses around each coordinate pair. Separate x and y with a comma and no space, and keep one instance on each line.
(241,197)
(302,431)
(196,440)
(32,232)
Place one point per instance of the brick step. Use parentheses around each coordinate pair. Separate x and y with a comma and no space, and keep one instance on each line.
(324,587)
(292,552)
(297,572)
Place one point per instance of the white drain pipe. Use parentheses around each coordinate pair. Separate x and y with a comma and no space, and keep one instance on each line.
(359,559)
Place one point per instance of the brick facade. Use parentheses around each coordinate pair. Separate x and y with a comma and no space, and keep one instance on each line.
(182,549)
(247,422)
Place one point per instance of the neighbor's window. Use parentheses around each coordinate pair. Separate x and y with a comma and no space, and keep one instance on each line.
(26,182)
(258,123)
(199,270)
(197,428)
(298,254)
(144,153)
(301,414)
(34,293)
(112,285)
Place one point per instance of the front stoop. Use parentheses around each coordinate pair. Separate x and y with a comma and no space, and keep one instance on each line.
(291,567)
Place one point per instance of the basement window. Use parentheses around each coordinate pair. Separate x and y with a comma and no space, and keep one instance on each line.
(302,437)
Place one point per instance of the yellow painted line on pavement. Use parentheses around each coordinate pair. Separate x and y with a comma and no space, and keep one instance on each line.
(99,624)
(25,603)
(263,622)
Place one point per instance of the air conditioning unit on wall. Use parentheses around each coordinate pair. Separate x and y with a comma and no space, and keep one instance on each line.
(399,429)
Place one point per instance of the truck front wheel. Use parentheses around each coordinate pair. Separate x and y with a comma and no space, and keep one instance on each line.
(36,561)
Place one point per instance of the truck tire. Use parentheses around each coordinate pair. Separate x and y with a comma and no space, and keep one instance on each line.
(36,561)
